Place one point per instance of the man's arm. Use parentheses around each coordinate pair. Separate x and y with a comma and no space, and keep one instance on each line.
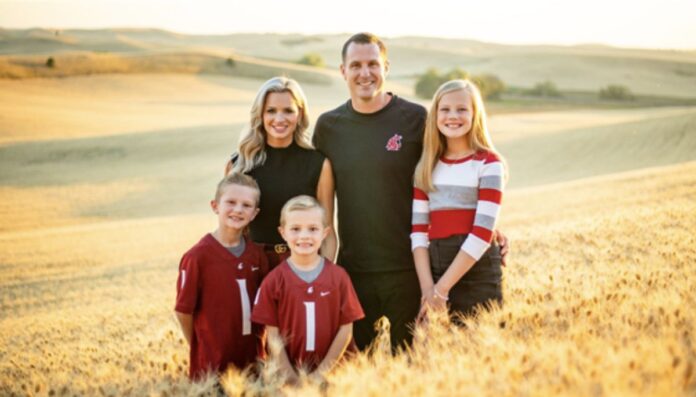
(186,321)
(504,244)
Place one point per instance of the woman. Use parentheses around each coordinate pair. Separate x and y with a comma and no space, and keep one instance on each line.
(275,151)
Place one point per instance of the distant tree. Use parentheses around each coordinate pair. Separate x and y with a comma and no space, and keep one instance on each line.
(50,62)
(456,74)
(312,59)
(616,92)
(544,89)
(427,83)
(231,62)
(490,85)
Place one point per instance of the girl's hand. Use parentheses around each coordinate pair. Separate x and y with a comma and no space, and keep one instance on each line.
(439,299)
(422,313)
(430,301)
(427,302)
(438,303)
(423,305)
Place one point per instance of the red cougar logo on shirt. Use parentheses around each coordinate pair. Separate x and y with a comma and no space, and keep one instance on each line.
(394,143)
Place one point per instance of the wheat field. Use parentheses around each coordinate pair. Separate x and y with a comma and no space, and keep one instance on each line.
(99,199)
(598,302)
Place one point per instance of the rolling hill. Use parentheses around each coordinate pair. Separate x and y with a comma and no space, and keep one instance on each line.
(23,53)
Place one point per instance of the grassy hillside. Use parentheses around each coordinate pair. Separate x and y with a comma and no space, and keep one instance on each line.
(543,158)
(584,68)
(98,105)
(171,171)
(77,64)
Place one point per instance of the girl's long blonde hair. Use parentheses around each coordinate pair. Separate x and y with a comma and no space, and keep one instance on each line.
(434,143)
(252,144)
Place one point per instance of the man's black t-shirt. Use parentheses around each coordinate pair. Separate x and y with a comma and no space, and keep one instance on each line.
(373,157)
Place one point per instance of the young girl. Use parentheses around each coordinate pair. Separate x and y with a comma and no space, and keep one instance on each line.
(276,152)
(457,195)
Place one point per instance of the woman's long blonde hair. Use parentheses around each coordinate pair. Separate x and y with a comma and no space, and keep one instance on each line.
(434,143)
(252,144)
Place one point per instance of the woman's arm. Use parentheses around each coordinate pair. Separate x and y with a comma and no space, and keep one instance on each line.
(325,196)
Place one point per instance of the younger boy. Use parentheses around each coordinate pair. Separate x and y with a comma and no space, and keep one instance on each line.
(307,300)
(218,278)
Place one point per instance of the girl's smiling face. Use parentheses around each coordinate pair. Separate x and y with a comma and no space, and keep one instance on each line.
(455,114)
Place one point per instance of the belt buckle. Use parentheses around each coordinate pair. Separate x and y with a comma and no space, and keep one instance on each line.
(280,248)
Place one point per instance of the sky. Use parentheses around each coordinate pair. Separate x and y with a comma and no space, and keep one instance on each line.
(667,24)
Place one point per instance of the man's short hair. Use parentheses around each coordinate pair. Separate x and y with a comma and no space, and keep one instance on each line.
(364,38)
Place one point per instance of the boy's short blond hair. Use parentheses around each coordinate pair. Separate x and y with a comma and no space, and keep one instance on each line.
(302,203)
(236,178)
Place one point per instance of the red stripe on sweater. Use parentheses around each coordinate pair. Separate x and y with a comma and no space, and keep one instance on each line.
(419,194)
(482,233)
(420,228)
(490,157)
(491,195)
(450,222)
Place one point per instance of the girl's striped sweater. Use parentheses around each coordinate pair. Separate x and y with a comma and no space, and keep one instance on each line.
(466,200)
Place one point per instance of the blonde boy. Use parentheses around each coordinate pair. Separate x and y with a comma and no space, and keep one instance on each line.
(307,300)
(217,279)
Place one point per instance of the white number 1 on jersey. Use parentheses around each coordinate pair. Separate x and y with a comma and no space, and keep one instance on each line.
(311,326)
(246,307)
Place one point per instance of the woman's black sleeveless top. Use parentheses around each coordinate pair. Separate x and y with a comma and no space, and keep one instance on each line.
(287,172)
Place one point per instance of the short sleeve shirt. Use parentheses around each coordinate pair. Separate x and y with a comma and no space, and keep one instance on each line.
(308,315)
(217,288)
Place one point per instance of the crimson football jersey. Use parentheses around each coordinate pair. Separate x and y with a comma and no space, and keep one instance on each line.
(308,315)
(217,288)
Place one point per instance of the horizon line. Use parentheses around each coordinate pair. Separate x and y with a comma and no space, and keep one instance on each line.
(386,36)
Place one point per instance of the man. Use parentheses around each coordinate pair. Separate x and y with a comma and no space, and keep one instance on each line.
(374,141)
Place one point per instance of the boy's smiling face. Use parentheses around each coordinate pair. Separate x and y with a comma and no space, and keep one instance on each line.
(304,231)
(236,207)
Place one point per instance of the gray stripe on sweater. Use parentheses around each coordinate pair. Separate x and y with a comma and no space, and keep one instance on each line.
(491,182)
(453,197)
(484,221)
(420,218)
